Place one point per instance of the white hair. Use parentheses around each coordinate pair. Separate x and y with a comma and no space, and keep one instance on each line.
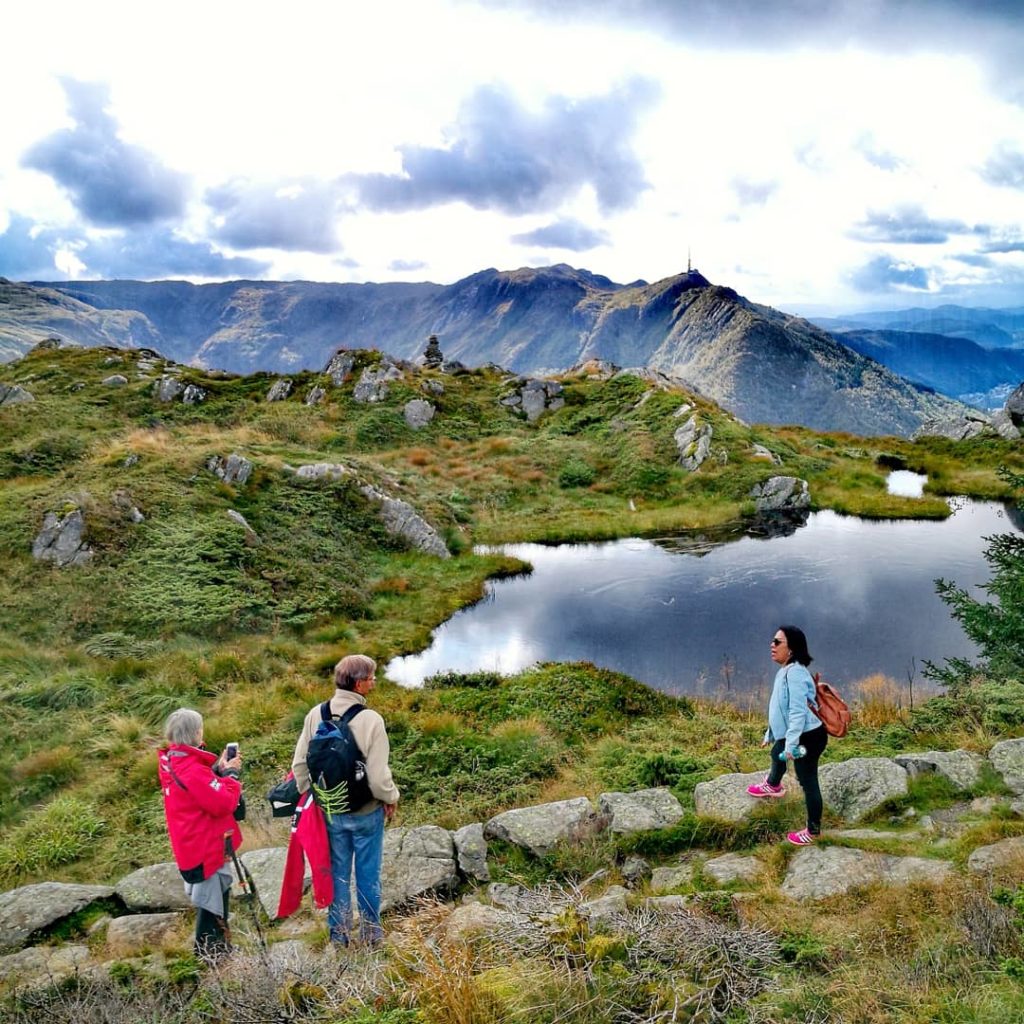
(184,726)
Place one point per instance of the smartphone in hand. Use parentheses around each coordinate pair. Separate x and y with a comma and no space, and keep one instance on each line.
(231,752)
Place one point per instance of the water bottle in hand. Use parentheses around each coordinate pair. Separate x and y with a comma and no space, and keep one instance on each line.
(798,752)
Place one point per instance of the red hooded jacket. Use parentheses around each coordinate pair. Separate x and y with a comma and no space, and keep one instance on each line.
(308,841)
(198,805)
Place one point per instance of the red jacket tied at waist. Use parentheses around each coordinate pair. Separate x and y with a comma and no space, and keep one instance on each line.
(309,839)
(198,805)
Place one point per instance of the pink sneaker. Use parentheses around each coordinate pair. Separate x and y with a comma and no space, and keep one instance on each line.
(765,789)
(801,838)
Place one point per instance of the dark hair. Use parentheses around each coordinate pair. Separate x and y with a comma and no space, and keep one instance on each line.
(797,644)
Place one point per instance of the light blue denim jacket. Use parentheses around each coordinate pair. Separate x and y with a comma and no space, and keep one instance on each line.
(788,713)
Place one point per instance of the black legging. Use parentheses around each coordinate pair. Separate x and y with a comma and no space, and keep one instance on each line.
(212,936)
(806,772)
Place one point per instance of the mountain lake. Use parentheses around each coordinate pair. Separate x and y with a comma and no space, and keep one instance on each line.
(693,614)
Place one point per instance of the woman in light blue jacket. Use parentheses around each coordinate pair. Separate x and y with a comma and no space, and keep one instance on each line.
(794,730)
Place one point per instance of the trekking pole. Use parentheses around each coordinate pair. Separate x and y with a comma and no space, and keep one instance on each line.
(248,888)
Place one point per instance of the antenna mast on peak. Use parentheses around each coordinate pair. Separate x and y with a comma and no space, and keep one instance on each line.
(689,268)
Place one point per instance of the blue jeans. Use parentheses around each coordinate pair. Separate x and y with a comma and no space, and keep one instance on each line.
(358,837)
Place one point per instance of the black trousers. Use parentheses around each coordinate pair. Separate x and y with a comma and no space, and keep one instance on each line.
(212,937)
(806,772)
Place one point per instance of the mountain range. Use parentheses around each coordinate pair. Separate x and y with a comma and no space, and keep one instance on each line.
(760,364)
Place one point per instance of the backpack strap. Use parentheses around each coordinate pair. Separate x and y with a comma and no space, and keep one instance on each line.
(326,716)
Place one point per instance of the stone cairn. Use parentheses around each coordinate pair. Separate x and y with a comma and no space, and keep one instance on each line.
(432,356)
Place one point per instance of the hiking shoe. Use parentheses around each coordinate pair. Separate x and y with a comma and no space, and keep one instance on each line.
(765,789)
(801,838)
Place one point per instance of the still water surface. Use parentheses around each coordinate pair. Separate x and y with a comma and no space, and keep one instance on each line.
(697,618)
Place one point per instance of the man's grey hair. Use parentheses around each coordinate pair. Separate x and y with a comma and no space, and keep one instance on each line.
(351,669)
(184,726)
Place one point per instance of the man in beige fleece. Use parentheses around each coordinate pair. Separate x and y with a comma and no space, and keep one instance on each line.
(357,836)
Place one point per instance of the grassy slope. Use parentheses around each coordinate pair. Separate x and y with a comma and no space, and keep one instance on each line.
(180,610)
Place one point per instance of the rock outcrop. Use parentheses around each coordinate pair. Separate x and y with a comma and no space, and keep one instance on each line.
(14,394)
(962,767)
(533,397)
(781,494)
(540,828)
(1007,758)
(416,860)
(418,413)
(31,908)
(62,540)
(855,787)
(279,391)
(693,441)
(640,810)
(235,469)
(817,872)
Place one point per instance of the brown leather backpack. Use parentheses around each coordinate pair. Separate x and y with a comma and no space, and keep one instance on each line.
(833,711)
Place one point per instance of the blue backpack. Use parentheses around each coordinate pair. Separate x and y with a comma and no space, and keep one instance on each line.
(337,767)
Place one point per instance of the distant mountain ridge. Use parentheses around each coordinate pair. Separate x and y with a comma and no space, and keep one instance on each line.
(989,328)
(759,363)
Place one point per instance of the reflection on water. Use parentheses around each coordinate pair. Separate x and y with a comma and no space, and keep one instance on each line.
(905,484)
(693,614)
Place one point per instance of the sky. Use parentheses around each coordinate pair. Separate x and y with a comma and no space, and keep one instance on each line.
(819,156)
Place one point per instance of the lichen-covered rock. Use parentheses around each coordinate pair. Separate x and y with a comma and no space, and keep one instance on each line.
(43,965)
(402,520)
(961,767)
(31,908)
(416,861)
(641,810)
(733,867)
(137,933)
(14,394)
(339,366)
(693,441)
(725,797)
(62,540)
(471,850)
(855,787)
(115,380)
(193,395)
(534,397)
(156,887)
(956,428)
(1007,758)
(670,877)
(314,396)
(279,391)
(817,872)
(167,388)
(321,471)
(251,537)
(781,494)
(235,469)
(540,828)
(373,383)
(418,413)
(606,910)
(1005,853)
(267,869)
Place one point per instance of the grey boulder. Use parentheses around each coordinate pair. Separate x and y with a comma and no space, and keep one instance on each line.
(167,388)
(818,872)
(733,867)
(416,861)
(339,367)
(31,908)
(540,828)
(854,788)
(62,540)
(418,413)
(726,797)
(693,442)
(781,494)
(279,391)
(961,767)
(641,810)
(471,851)
(1005,853)
(235,469)
(138,932)
(14,394)
(1007,758)
(402,520)
(157,887)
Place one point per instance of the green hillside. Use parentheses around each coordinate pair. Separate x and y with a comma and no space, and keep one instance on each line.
(179,604)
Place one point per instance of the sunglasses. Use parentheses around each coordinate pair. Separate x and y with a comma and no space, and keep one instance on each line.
(776,641)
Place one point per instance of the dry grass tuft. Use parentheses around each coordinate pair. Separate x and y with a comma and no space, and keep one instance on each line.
(879,700)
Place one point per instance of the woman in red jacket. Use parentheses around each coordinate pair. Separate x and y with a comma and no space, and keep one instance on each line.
(201,794)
